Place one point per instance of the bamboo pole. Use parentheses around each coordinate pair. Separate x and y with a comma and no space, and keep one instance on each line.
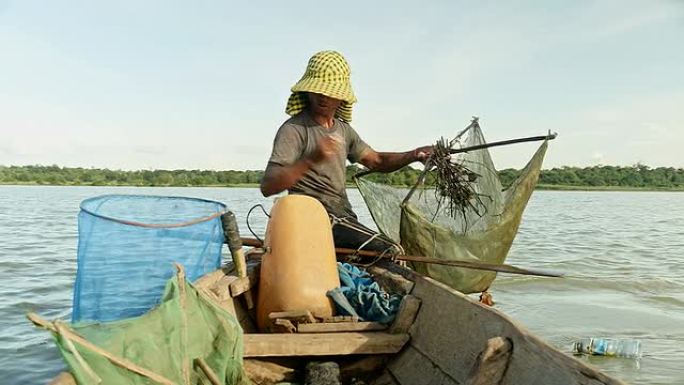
(213,378)
(232,235)
(501,268)
(549,136)
(182,296)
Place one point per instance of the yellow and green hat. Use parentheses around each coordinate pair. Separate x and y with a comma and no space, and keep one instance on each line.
(327,73)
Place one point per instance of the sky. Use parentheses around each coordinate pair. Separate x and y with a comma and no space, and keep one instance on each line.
(203,84)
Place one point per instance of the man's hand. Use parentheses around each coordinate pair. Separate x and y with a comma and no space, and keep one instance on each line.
(278,178)
(326,148)
(422,154)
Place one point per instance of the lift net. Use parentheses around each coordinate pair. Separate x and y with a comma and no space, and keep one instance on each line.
(187,339)
(481,229)
(128,244)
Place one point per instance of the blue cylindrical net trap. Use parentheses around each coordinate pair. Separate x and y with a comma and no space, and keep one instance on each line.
(127,247)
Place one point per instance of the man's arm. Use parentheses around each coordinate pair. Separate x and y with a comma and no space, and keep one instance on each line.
(279,178)
(392,161)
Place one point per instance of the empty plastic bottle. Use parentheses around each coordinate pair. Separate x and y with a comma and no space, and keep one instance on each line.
(610,347)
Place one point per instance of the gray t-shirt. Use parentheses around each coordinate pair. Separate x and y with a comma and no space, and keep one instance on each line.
(325,181)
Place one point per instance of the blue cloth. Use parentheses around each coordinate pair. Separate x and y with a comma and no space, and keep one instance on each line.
(360,296)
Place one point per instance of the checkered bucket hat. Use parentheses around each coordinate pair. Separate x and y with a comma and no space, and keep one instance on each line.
(327,73)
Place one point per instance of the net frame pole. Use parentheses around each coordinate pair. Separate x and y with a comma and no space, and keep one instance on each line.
(231,233)
(232,236)
(549,136)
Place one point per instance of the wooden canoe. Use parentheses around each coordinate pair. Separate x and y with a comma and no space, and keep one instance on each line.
(440,336)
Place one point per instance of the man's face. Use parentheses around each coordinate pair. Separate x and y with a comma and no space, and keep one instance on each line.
(323,105)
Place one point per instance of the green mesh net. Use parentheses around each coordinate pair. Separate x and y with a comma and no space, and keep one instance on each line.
(170,344)
(483,231)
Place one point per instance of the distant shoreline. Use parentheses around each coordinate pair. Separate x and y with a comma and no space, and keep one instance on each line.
(597,178)
(551,187)
(541,187)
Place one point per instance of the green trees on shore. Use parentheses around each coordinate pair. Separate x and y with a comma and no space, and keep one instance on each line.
(54,175)
(637,176)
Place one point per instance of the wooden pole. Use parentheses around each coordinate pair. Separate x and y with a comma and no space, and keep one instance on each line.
(213,378)
(501,268)
(550,136)
(232,235)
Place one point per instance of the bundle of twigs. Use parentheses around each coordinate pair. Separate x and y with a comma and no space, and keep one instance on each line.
(453,181)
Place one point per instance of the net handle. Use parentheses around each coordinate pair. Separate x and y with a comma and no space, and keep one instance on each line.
(232,238)
(428,164)
(474,123)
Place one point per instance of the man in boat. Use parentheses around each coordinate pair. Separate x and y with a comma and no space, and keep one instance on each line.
(311,148)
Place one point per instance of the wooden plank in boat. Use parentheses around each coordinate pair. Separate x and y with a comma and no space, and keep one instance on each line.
(283,326)
(406,315)
(265,372)
(240,285)
(217,285)
(341,318)
(244,284)
(390,281)
(298,316)
(322,344)
(336,327)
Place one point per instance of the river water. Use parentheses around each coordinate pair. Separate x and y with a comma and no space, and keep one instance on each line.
(623,253)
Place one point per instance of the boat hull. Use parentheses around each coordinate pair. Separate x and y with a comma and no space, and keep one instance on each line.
(453,340)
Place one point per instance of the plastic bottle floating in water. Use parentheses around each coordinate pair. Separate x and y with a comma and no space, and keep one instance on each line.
(610,347)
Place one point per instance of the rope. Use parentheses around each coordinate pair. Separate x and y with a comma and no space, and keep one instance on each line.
(378,258)
(369,240)
(250,227)
(393,249)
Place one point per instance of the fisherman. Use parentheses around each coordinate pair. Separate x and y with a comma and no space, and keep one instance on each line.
(311,148)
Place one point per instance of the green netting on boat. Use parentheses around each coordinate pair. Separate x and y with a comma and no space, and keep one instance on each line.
(167,341)
(483,231)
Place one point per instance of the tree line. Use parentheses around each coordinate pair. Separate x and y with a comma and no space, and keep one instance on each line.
(637,176)
(78,176)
